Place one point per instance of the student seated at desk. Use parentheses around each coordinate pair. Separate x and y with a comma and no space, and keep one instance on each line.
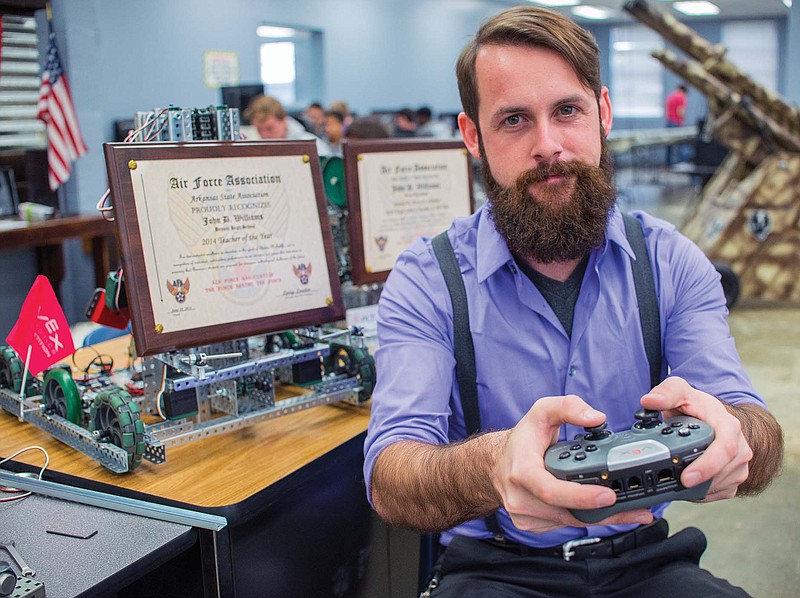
(270,120)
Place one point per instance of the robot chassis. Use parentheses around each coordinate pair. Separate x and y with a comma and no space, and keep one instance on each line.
(193,393)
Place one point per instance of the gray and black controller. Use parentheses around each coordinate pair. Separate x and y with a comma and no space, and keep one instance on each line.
(642,465)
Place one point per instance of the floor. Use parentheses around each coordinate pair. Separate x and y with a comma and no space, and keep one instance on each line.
(752,542)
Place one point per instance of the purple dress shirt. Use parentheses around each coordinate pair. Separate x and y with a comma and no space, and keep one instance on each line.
(522,352)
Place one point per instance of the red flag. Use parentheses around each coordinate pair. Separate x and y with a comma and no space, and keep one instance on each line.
(42,326)
(65,142)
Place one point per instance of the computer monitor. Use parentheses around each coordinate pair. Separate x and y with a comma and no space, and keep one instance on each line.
(37,178)
(240,97)
(122,128)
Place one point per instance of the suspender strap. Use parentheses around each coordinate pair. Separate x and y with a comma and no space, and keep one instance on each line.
(645,296)
(462,337)
(466,374)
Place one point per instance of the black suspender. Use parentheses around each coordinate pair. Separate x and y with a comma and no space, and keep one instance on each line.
(462,337)
(466,374)
(645,297)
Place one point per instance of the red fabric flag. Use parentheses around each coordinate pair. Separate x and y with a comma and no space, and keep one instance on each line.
(42,326)
(65,142)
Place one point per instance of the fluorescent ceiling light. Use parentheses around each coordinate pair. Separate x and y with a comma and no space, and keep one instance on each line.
(624,46)
(787,3)
(270,31)
(556,2)
(697,8)
(596,13)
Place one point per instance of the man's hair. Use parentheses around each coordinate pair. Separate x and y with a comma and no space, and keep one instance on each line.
(262,107)
(368,127)
(683,88)
(336,114)
(424,113)
(529,26)
(339,106)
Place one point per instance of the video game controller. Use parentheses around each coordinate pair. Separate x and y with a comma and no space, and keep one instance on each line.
(643,465)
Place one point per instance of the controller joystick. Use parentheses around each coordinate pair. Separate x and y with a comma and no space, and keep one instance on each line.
(596,433)
(647,419)
(643,465)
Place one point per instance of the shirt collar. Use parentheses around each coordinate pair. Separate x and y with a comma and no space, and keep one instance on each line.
(493,252)
(615,233)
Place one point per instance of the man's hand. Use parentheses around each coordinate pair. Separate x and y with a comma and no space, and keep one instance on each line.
(727,459)
(534,498)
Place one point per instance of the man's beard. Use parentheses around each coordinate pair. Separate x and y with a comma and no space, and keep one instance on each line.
(563,221)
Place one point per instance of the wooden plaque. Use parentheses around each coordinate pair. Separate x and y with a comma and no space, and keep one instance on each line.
(397,191)
(222,240)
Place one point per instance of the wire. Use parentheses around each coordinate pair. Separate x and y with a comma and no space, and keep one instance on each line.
(107,210)
(41,471)
(119,287)
(103,361)
(160,392)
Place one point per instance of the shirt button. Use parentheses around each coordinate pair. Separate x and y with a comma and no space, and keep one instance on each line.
(513,268)
(572,370)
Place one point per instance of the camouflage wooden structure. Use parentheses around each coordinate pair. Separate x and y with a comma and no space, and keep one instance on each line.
(749,213)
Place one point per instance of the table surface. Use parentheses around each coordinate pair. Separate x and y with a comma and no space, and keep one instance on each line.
(55,231)
(119,546)
(215,472)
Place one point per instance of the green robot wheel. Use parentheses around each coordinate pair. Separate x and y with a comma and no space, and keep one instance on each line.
(116,418)
(61,395)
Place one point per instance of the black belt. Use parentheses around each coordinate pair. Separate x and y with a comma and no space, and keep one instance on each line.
(592,547)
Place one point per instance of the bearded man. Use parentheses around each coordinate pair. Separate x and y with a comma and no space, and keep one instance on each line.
(558,347)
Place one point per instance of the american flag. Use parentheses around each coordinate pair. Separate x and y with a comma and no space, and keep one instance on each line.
(56,110)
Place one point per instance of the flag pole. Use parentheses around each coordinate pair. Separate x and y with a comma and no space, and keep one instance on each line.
(22,387)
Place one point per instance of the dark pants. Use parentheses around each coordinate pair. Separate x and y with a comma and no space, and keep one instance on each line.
(666,568)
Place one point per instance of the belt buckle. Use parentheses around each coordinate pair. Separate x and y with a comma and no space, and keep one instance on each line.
(567,547)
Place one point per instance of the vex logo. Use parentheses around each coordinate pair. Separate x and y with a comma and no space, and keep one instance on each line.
(51,332)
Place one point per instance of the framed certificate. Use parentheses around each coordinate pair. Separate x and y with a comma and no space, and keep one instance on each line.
(222,240)
(398,190)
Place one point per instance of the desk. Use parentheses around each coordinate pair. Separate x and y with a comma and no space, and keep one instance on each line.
(47,238)
(99,565)
(291,489)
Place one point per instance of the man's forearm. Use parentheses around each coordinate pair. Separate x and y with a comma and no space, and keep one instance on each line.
(765,437)
(435,487)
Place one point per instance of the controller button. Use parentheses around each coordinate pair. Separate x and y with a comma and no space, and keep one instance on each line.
(580,456)
(564,455)
(685,432)
(591,448)
(666,431)
(575,447)
(676,424)
(694,426)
